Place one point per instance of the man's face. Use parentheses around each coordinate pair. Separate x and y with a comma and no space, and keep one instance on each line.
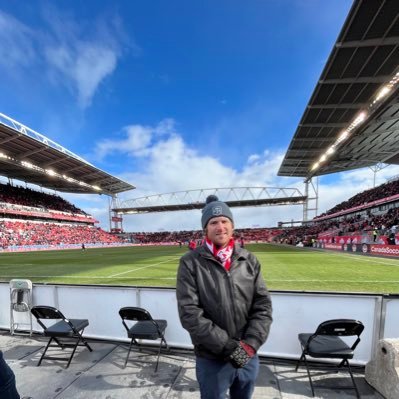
(219,230)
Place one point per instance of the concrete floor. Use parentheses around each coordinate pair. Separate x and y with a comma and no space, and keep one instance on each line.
(100,374)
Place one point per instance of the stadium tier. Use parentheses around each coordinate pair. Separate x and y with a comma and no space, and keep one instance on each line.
(34,220)
(371,216)
(257,235)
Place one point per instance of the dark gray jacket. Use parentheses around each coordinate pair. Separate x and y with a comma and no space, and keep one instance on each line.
(218,307)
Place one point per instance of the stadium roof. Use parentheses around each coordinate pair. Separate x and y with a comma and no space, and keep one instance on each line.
(352,118)
(31,157)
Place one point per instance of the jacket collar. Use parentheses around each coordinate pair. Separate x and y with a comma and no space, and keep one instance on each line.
(238,253)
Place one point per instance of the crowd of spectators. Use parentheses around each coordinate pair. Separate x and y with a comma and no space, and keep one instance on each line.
(30,198)
(367,196)
(165,237)
(184,237)
(23,233)
(361,224)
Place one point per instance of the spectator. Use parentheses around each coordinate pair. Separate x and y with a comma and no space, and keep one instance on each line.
(226,326)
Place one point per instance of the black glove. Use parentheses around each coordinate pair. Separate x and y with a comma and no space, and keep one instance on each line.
(240,356)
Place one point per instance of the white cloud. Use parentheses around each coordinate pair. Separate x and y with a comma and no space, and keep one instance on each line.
(253,158)
(78,56)
(17,42)
(82,56)
(85,64)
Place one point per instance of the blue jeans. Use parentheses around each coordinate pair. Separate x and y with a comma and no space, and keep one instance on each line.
(8,389)
(216,377)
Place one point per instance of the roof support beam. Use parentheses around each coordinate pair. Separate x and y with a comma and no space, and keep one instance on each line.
(366,79)
(55,161)
(314,139)
(305,152)
(298,159)
(23,155)
(8,139)
(338,106)
(387,41)
(326,124)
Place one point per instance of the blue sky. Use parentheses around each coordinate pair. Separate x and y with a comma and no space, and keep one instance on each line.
(173,95)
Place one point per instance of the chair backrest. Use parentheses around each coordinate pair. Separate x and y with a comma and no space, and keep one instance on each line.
(46,312)
(340,327)
(134,314)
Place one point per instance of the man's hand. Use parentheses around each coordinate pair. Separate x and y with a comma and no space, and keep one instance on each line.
(241,355)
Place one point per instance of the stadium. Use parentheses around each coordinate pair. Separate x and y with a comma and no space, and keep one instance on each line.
(342,263)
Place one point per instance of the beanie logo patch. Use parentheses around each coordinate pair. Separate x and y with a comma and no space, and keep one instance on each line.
(217,210)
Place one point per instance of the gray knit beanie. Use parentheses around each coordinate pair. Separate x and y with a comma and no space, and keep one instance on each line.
(214,208)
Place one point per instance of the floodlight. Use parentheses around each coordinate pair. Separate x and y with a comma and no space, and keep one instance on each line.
(359,119)
(331,150)
(27,164)
(382,93)
(315,165)
(96,188)
(323,158)
(50,172)
(343,136)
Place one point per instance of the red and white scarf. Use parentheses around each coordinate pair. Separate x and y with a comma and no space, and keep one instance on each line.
(223,254)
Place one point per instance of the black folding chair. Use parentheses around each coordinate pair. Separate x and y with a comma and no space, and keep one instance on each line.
(144,327)
(66,333)
(326,343)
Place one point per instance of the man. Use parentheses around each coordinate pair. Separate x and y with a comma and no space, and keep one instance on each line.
(224,304)
(8,389)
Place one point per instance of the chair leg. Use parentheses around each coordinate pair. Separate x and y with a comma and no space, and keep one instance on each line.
(159,353)
(163,340)
(73,352)
(128,353)
(45,350)
(84,342)
(298,363)
(353,380)
(310,378)
(166,345)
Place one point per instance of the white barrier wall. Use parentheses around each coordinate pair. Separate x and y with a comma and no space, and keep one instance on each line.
(390,317)
(292,312)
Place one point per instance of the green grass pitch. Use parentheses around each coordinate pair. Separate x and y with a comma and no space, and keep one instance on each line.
(284,268)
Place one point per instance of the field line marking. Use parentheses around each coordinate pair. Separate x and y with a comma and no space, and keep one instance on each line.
(144,267)
(364,258)
(353,256)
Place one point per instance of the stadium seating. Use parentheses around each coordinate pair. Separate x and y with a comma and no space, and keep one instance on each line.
(165,237)
(29,233)
(366,197)
(25,196)
(30,219)
(350,225)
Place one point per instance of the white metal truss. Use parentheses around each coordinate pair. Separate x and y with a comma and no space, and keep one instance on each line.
(27,131)
(191,199)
